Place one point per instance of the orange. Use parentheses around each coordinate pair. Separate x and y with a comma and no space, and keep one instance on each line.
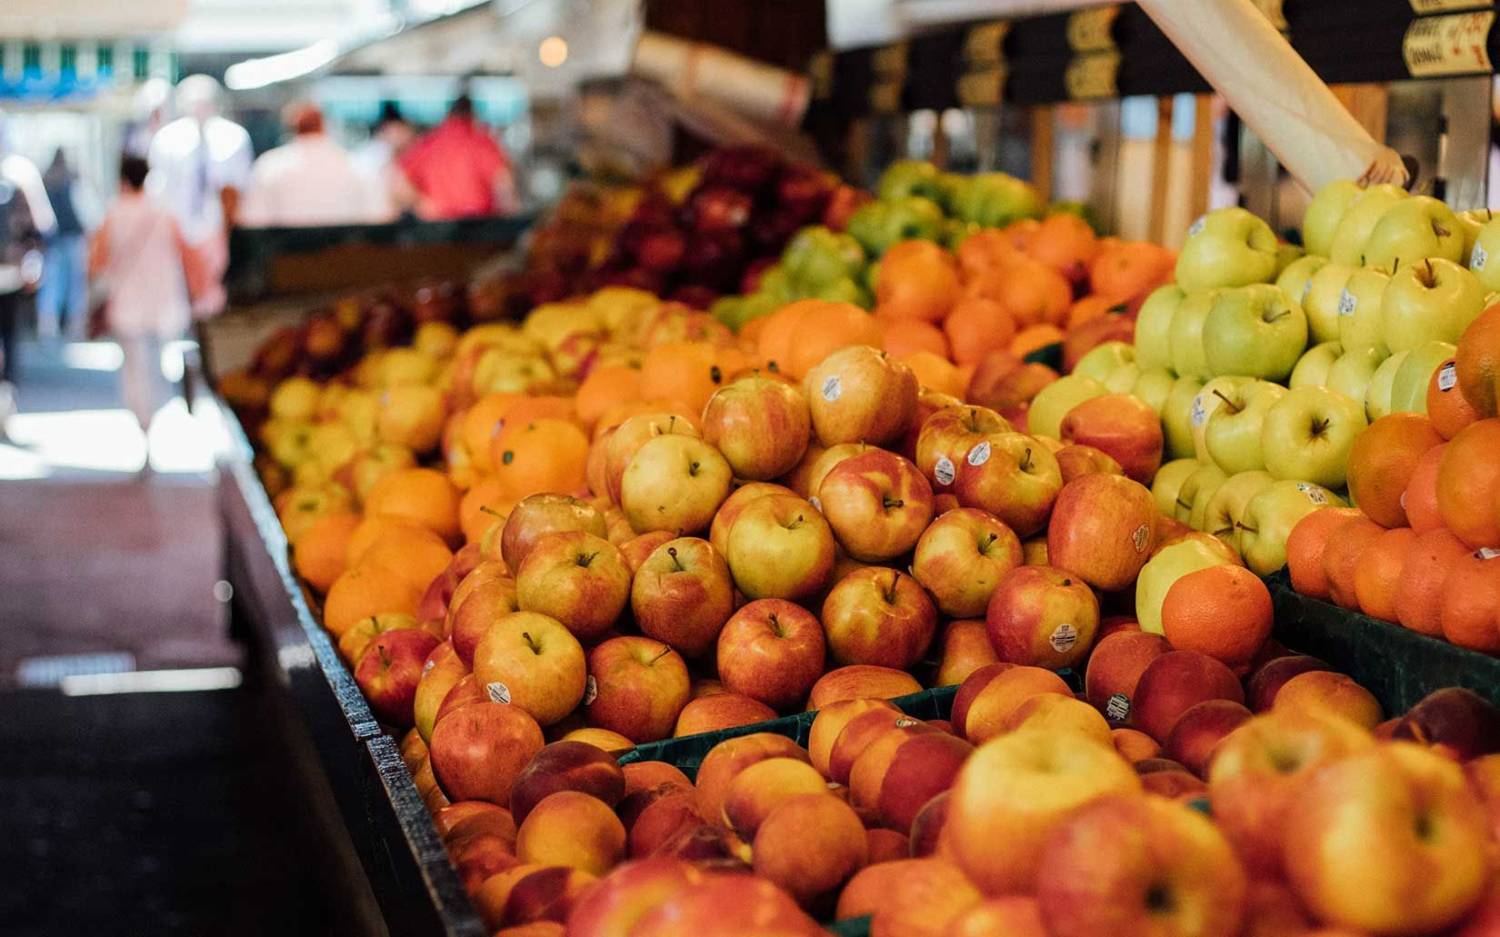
(749,333)
(372,528)
(1032,292)
(919,280)
(480,424)
(1379,571)
(1020,233)
(1419,594)
(1033,338)
(1449,410)
(823,330)
(606,386)
(424,496)
(319,555)
(1478,363)
(1420,498)
(985,251)
(1469,613)
(364,591)
(1305,546)
(935,373)
(480,506)
(903,336)
(418,556)
(1089,308)
(1341,557)
(1066,243)
(687,372)
(1468,484)
(976,327)
(1126,270)
(543,455)
(526,409)
(774,344)
(1381,463)
(1223,611)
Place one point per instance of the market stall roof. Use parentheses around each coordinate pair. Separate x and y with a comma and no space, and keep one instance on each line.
(87,19)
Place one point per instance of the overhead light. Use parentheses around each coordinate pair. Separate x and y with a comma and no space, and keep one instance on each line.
(257,73)
(553,51)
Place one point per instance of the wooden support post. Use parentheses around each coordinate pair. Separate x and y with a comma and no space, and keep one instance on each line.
(1042,135)
(1201,181)
(1161,168)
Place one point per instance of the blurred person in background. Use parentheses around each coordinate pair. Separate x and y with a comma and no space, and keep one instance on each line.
(149,270)
(306,182)
(62,298)
(26,219)
(151,108)
(376,160)
(457,170)
(200,163)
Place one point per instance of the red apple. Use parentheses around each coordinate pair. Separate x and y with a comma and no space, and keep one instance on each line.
(1175,682)
(780,547)
(1101,530)
(760,425)
(389,671)
(479,749)
(577,578)
(531,661)
(566,766)
(961,557)
(1122,426)
(539,514)
(859,394)
(729,511)
(1012,476)
(948,435)
(878,616)
(1043,617)
(682,595)
(877,503)
(771,651)
(637,688)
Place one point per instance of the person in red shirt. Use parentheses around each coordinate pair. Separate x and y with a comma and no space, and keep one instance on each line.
(457,170)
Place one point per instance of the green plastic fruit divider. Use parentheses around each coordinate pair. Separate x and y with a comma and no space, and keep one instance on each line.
(1050,355)
(1398,665)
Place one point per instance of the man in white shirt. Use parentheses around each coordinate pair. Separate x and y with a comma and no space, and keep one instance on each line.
(200,162)
(309,181)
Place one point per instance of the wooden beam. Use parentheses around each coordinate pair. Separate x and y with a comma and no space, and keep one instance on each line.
(1200,181)
(1042,135)
(1161,168)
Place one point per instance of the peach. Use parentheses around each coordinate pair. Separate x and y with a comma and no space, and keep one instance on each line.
(661,820)
(493,894)
(452,815)
(707,843)
(1053,712)
(870,885)
(727,904)
(913,776)
(1200,729)
(859,734)
(884,845)
(964,696)
(762,787)
(1175,784)
(1174,683)
(927,825)
(966,648)
(861,680)
(1455,720)
(643,775)
(1013,916)
(627,894)
(480,749)
(1134,745)
(1271,910)
(479,855)
(547,894)
(925,901)
(810,845)
(599,738)
(1329,692)
(1266,682)
(573,829)
(728,758)
(534,929)
(830,721)
(567,766)
(1002,693)
(720,711)
(1115,668)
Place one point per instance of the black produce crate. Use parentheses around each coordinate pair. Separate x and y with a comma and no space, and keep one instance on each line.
(1398,665)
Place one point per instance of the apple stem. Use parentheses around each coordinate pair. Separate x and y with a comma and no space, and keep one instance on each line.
(1026,459)
(796,522)
(664,652)
(1430,280)
(531,642)
(890,594)
(385,657)
(1318,426)
(987,541)
(486,509)
(776,628)
(1439,230)
(672,552)
(584,559)
(693,469)
(1233,407)
(1246,528)
(890,502)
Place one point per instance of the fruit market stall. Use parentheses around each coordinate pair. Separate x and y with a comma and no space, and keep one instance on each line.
(799,564)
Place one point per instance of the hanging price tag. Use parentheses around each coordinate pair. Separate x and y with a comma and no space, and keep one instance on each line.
(1456,44)
(981,89)
(1446,6)
(1093,76)
(885,97)
(890,61)
(985,44)
(1092,30)
(982,81)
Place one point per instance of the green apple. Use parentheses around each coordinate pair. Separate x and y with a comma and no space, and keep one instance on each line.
(1434,300)
(1227,507)
(1269,518)
(1177,417)
(1104,358)
(1154,385)
(1320,300)
(1286,255)
(1168,483)
(1298,274)
(1170,564)
(1413,230)
(1153,326)
(1470,223)
(1196,490)
(1381,390)
(1254,331)
(1409,387)
(1053,402)
(1312,367)
(1361,321)
(1308,433)
(1232,433)
(1359,219)
(1209,399)
(1122,379)
(1323,214)
(1351,373)
(1188,359)
(1485,250)
(1227,247)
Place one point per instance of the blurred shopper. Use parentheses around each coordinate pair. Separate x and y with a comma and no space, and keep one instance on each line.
(148,268)
(151,108)
(200,163)
(457,170)
(376,160)
(62,298)
(26,219)
(307,182)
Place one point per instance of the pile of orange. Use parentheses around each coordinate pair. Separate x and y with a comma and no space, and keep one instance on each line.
(1423,547)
